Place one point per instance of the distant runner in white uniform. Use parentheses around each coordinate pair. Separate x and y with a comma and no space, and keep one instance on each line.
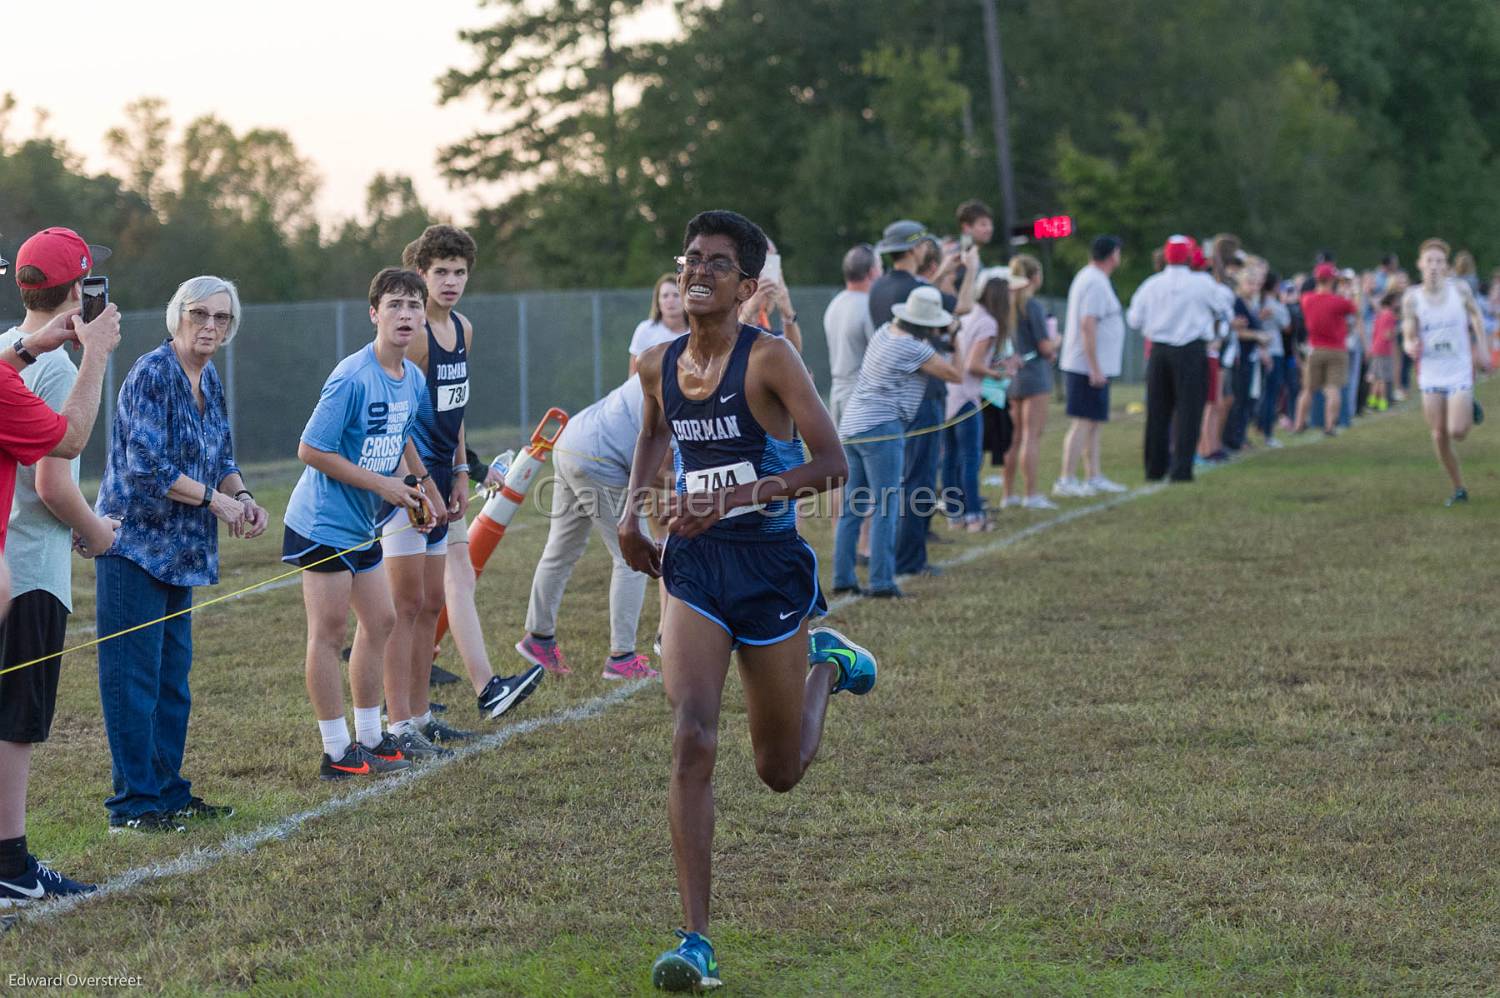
(1442,329)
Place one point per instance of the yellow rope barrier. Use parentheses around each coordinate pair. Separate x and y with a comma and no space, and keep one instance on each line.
(359,547)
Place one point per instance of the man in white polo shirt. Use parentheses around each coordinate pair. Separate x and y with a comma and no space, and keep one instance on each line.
(1093,347)
(1176,311)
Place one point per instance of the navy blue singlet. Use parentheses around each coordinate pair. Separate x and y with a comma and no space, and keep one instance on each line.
(441,413)
(718,437)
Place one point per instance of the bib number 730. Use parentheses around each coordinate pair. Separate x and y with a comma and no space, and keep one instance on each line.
(451,397)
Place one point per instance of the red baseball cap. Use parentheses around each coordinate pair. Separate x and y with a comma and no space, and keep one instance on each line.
(60,254)
(1179,250)
(1325,272)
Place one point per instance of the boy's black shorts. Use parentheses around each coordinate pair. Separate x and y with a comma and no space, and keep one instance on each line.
(36,626)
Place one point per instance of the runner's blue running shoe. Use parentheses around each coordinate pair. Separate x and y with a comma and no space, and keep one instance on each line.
(856,665)
(689,967)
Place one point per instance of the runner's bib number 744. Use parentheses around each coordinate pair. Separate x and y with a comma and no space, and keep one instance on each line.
(725,476)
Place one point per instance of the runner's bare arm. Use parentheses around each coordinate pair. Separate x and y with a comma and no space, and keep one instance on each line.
(1409,341)
(1477,335)
(651,448)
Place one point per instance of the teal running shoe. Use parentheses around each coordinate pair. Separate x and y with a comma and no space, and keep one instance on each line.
(856,665)
(689,967)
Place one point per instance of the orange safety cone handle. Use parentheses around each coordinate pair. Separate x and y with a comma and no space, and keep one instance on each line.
(541,444)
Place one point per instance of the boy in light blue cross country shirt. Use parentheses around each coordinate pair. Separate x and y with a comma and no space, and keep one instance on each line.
(358,448)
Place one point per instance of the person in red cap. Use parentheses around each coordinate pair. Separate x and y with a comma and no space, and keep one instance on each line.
(1176,311)
(1327,315)
(50,512)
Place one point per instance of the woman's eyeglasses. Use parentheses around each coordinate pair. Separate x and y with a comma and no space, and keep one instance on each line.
(201,317)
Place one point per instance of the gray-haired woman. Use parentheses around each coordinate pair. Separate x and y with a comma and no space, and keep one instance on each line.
(170,479)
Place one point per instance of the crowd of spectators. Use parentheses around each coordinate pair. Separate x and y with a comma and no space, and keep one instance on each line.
(936,359)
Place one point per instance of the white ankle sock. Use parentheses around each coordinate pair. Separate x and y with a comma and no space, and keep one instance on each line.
(399,728)
(424,720)
(335,732)
(367,726)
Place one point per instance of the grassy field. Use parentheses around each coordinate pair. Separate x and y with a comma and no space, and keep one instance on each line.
(1241,736)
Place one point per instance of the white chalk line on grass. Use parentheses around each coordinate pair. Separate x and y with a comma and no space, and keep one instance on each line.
(238,845)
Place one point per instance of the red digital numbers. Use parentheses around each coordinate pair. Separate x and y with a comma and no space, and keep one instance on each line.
(1056,227)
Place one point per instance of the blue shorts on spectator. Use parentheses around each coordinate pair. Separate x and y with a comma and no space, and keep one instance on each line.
(1084,400)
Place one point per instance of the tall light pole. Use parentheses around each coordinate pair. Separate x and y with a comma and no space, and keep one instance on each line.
(1002,121)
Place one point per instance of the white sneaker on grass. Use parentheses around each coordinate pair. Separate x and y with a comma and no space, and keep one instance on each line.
(1011,501)
(1038,501)
(1101,484)
(1071,488)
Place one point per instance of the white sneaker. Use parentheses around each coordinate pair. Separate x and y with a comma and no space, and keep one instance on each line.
(993,480)
(1071,488)
(1274,443)
(1038,501)
(1011,501)
(1101,484)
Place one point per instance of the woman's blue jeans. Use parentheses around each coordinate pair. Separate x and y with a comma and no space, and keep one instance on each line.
(967,447)
(873,490)
(1269,396)
(143,686)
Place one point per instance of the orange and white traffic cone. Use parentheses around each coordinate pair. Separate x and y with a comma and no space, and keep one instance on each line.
(489,526)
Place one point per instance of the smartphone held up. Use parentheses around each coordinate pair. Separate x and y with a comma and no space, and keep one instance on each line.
(95,297)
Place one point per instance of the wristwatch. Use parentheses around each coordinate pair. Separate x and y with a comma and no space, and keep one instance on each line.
(26,356)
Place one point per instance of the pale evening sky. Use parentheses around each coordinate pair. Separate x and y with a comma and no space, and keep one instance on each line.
(352,83)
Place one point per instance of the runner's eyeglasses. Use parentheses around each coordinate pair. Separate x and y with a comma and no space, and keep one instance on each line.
(719,266)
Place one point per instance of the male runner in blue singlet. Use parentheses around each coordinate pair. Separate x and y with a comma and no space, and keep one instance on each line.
(733,398)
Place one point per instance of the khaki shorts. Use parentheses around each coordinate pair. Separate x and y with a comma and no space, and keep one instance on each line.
(1327,369)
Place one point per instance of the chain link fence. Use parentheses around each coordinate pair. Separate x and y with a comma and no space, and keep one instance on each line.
(532,350)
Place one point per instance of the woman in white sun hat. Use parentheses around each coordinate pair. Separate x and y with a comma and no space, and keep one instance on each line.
(890,388)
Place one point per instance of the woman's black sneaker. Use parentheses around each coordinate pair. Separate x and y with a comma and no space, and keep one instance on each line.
(197,807)
(151,821)
(1460,495)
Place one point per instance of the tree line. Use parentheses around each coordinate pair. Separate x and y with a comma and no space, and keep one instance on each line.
(1357,125)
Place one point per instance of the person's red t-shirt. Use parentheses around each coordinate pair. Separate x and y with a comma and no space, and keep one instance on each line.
(28,432)
(1383,339)
(1325,313)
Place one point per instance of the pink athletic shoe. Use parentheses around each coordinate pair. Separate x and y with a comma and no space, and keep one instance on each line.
(638,667)
(546,654)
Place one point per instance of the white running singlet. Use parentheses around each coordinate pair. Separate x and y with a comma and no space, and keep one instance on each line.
(1447,361)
